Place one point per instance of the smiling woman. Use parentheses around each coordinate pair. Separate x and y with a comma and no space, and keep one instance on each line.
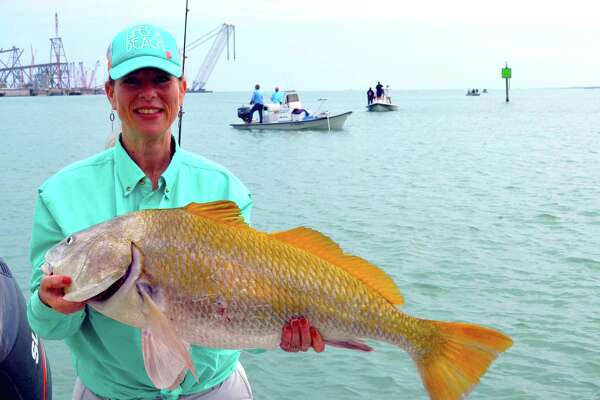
(147,101)
(145,169)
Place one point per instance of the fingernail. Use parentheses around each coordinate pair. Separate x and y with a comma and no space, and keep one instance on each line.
(66,279)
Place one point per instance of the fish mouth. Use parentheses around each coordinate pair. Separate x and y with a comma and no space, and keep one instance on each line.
(46,268)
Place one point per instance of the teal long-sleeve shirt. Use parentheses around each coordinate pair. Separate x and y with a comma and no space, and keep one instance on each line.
(107,354)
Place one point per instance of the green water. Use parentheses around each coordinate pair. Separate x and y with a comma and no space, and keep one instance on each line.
(481,211)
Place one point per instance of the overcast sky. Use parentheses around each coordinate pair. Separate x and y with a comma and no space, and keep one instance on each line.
(340,44)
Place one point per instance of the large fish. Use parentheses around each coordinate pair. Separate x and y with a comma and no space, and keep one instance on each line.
(200,275)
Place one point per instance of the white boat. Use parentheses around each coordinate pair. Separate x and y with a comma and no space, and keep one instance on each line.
(324,122)
(291,116)
(379,106)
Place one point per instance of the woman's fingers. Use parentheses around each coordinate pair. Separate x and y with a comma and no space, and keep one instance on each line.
(298,335)
(317,340)
(51,293)
(286,337)
(304,332)
(51,282)
(295,343)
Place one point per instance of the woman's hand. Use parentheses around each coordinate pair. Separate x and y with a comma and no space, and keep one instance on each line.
(51,293)
(298,335)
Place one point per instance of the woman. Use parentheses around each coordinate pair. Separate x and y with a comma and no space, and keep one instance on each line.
(145,169)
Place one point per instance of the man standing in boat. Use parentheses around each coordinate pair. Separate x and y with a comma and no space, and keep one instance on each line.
(257,103)
(379,91)
(277,96)
(370,96)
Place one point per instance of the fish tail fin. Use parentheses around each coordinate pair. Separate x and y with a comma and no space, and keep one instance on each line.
(463,353)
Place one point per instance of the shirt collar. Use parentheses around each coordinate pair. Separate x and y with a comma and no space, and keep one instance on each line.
(130,174)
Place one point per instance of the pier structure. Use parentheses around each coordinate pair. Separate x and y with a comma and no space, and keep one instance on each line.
(57,77)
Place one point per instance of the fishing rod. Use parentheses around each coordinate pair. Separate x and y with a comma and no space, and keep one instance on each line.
(183,68)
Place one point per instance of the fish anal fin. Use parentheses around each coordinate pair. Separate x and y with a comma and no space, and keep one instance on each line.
(462,356)
(166,355)
(325,248)
(349,344)
(222,211)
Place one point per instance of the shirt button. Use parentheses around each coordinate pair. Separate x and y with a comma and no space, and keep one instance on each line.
(142,181)
(129,188)
(167,190)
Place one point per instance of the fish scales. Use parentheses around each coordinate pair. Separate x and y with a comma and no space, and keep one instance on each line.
(254,286)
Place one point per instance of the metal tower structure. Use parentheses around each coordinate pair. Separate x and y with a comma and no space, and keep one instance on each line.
(60,76)
(57,77)
(11,72)
(222,35)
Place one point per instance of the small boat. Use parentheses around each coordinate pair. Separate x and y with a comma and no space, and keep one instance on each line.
(381,106)
(291,116)
(320,122)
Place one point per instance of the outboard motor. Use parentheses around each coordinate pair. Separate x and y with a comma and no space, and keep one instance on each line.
(24,369)
(244,114)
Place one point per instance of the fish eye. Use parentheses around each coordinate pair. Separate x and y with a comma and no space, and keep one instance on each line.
(69,240)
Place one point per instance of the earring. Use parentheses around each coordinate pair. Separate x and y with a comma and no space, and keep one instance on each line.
(112,120)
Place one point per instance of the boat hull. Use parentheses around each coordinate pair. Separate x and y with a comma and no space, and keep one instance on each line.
(334,122)
(381,107)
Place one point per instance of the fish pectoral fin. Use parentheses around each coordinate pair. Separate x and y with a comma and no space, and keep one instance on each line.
(166,355)
(349,344)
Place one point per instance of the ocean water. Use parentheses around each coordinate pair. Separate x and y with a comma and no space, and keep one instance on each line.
(481,211)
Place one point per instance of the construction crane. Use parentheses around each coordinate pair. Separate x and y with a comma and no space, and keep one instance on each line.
(221,35)
(60,77)
(82,76)
(93,77)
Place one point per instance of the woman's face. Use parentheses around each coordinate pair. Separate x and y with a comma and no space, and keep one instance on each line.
(147,101)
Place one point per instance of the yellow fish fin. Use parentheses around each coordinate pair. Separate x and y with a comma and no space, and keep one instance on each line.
(223,211)
(465,352)
(323,247)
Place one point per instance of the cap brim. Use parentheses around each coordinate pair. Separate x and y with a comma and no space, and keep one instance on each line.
(144,62)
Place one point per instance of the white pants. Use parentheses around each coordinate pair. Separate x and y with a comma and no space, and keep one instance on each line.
(236,387)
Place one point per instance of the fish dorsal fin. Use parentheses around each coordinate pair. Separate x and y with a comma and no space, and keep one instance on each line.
(222,211)
(323,247)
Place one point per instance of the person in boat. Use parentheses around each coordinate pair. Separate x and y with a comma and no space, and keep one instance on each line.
(370,96)
(299,114)
(277,96)
(379,91)
(388,94)
(257,103)
(144,169)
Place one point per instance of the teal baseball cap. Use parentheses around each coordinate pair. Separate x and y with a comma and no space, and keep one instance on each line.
(143,46)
